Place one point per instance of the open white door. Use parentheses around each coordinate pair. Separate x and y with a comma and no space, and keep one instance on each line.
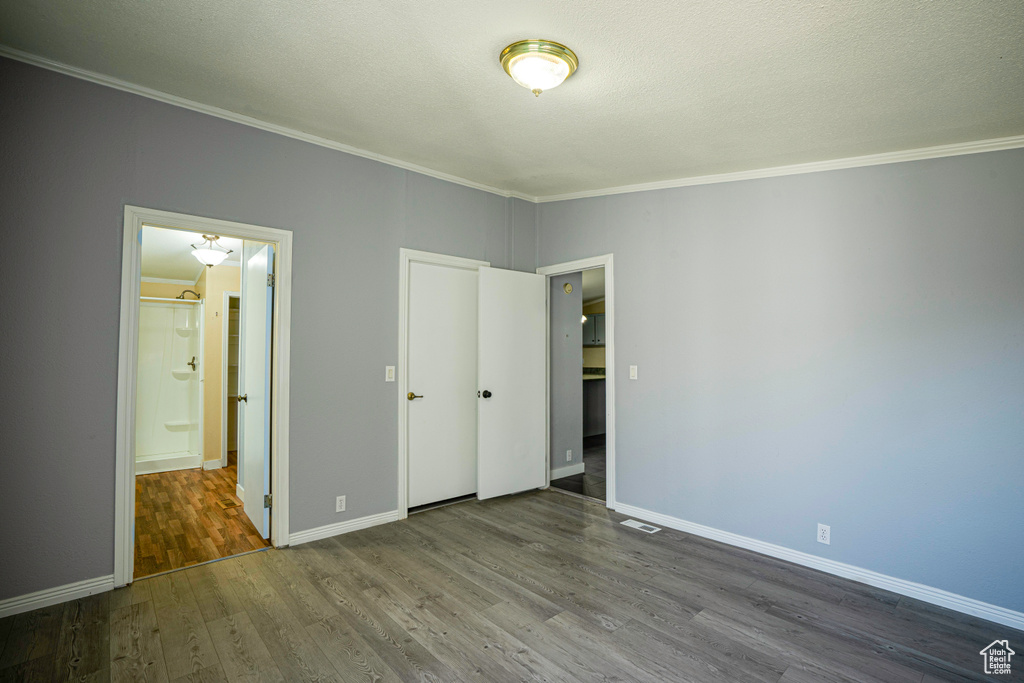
(254,382)
(511,362)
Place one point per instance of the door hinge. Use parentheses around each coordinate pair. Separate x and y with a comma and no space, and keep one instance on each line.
(270,279)
(268,500)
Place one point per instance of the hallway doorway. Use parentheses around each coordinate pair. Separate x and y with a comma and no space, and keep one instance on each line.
(581,378)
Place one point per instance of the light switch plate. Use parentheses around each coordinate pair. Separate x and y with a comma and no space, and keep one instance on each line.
(389,373)
(632,372)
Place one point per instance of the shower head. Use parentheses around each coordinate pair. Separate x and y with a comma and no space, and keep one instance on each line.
(182,295)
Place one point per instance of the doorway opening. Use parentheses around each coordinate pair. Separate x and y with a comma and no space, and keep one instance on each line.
(229,380)
(202,400)
(577,368)
(581,378)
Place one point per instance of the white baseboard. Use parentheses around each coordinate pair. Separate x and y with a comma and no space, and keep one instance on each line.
(239,491)
(935,596)
(567,471)
(168,463)
(53,596)
(212,464)
(342,527)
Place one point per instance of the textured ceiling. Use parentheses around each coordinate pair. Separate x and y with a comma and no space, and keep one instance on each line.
(665,89)
(167,254)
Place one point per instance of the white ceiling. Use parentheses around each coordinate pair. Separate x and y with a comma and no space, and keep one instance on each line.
(665,89)
(167,254)
(593,284)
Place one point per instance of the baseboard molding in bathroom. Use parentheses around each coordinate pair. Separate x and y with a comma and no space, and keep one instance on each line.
(168,463)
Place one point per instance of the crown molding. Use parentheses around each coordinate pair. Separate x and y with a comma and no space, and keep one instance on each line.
(167,98)
(957,149)
(938,151)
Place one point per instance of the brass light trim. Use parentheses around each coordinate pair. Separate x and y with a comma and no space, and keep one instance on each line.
(547,47)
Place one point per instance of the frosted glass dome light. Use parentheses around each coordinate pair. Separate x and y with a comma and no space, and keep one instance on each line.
(538,65)
(210,256)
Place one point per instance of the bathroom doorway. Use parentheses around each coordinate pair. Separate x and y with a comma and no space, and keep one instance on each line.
(203,310)
(189,499)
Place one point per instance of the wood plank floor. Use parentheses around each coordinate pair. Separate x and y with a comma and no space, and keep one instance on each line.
(540,586)
(179,521)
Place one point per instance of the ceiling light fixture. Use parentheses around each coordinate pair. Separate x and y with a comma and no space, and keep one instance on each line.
(538,65)
(211,255)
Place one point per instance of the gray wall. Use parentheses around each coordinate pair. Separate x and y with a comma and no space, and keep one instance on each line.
(72,154)
(843,347)
(566,370)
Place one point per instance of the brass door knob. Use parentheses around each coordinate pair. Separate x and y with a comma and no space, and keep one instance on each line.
(411,396)
(243,397)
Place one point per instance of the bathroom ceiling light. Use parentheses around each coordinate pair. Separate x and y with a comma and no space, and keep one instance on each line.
(584,319)
(538,65)
(208,253)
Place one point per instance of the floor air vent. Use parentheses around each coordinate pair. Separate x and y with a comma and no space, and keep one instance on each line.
(646,528)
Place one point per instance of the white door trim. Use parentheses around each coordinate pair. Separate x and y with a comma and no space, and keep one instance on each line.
(406,258)
(606,262)
(225,326)
(128,337)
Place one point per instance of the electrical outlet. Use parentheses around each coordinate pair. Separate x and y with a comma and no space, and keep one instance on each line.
(825,534)
(389,373)
(339,504)
(568,455)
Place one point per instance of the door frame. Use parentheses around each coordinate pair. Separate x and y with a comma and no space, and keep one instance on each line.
(406,258)
(128,339)
(225,327)
(607,262)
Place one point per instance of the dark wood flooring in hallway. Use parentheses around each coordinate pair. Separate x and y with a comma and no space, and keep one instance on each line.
(592,482)
(539,586)
(186,517)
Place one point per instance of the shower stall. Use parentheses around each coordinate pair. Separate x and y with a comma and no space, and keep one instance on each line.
(168,409)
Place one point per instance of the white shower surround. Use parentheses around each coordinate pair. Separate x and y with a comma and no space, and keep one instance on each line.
(168,423)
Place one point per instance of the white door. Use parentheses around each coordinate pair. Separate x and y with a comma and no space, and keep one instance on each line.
(512,362)
(254,382)
(442,378)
